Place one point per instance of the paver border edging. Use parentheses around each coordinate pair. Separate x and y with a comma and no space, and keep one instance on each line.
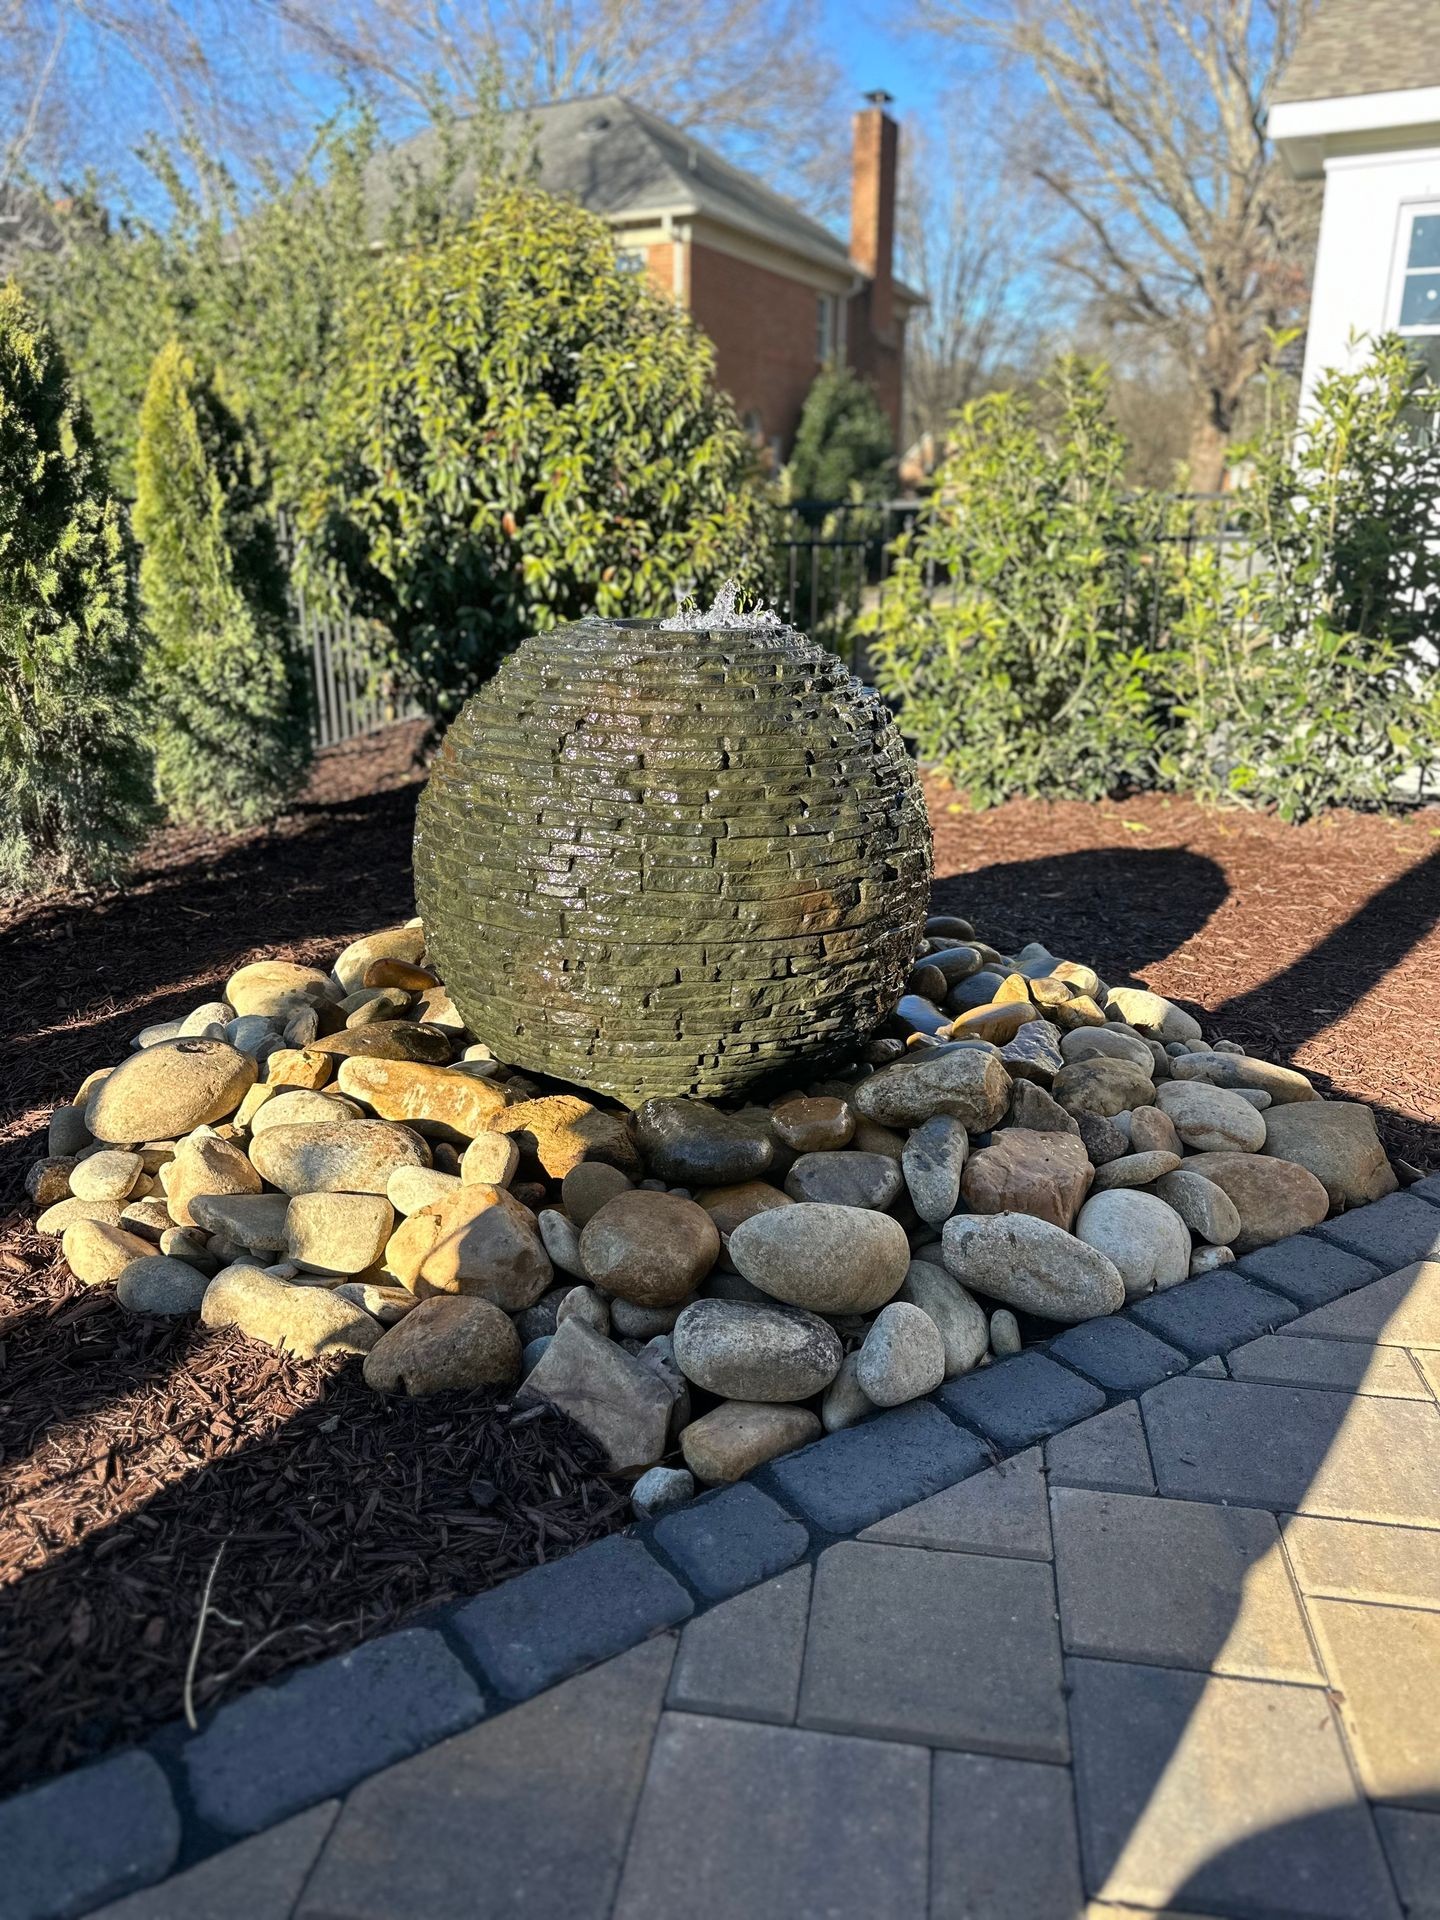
(320,1731)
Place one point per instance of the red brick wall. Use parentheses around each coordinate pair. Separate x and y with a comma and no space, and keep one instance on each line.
(879,358)
(764,329)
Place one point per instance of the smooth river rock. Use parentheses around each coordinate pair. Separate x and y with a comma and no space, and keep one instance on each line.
(650,1248)
(1207,1210)
(1135,1169)
(691,1144)
(167,1090)
(445,1344)
(1112,1042)
(156,1283)
(337,1233)
(561,1131)
(1044,1174)
(1335,1140)
(1102,1087)
(307,1321)
(98,1254)
(272,989)
(398,1040)
(1210,1120)
(351,1156)
(482,1242)
(111,1175)
(768,1353)
(253,1220)
(845,1179)
(1238,1071)
(205,1165)
(1139,1234)
(1273,1197)
(740,1435)
(969,1084)
(587,1187)
(1152,1014)
(1031,1265)
(818,1125)
(932,1162)
(438,1097)
(902,1356)
(959,1318)
(828,1259)
(302,1107)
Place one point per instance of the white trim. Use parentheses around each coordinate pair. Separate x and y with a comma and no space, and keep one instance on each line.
(1406,215)
(1353,113)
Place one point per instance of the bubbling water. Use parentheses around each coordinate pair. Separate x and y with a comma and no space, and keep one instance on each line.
(720,614)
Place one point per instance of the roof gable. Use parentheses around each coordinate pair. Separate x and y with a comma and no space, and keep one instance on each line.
(1352,47)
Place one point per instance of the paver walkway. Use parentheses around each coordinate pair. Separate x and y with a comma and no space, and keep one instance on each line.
(1182,1658)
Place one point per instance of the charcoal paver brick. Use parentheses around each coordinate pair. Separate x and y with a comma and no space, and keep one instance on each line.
(1106,1451)
(1212,1313)
(1307,1270)
(1021,1400)
(1391,1232)
(257,1879)
(279,1749)
(1002,1510)
(741,1821)
(86,1837)
(527,1813)
(1117,1354)
(850,1479)
(556,1619)
(743,1657)
(1351,1366)
(981,1804)
(1402,1310)
(1412,1846)
(731,1539)
(950,1649)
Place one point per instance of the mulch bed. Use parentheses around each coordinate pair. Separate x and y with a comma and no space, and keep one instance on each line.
(131,1452)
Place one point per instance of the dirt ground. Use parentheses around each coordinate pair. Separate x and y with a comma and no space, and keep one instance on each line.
(133,1453)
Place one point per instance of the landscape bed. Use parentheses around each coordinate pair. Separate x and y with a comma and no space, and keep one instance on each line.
(130,1374)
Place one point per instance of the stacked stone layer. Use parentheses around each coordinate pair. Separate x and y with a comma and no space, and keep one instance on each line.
(659,862)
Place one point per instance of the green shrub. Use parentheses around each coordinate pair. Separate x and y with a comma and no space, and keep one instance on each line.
(1304,682)
(522,433)
(845,444)
(1014,633)
(227,690)
(76,777)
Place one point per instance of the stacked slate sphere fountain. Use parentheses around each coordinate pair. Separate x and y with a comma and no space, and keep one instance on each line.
(672,1109)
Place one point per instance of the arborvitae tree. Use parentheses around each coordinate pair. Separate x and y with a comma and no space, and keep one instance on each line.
(844,440)
(74,770)
(227,687)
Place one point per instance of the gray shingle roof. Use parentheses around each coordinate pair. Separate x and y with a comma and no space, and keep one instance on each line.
(1364,46)
(617,158)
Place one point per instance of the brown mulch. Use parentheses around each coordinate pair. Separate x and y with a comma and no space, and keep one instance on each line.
(131,1452)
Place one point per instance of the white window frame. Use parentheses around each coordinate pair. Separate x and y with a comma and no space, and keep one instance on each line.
(1410,212)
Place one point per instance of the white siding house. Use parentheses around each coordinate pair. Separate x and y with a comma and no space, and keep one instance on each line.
(1359,105)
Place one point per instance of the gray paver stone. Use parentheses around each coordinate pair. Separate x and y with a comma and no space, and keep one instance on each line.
(731,1539)
(1427,1189)
(740,1821)
(952,1649)
(1002,1840)
(256,1879)
(743,1657)
(1216,1596)
(1412,1845)
(1350,1560)
(1203,1794)
(1003,1510)
(1402,1310)
(852,1478)
(1212,1313)
(86,1837)
(1384,1663)
(281,1748)
(1288,1359)
(1115,1353)
(556,1619)
(1021,1400)
(1391,1232)
(1307,1270)
(525,1814)
(1296,1449)
(1107,1451)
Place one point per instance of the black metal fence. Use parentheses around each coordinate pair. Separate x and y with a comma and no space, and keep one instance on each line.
(831,562)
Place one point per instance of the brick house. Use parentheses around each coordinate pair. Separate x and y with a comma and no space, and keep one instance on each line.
(777,292)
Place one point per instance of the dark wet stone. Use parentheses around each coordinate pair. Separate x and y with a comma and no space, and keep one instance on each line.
(692,1145)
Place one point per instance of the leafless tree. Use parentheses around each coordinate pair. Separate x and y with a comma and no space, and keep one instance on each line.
(1149,133)
(971,238)
(757,71)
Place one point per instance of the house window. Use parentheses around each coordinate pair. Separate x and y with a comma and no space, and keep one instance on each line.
(1417,301)
(825,328)
(630,259)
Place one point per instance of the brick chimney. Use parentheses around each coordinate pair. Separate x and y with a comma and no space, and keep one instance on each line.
(876,140)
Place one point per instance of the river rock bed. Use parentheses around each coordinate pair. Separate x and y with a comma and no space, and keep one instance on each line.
(329,1163)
